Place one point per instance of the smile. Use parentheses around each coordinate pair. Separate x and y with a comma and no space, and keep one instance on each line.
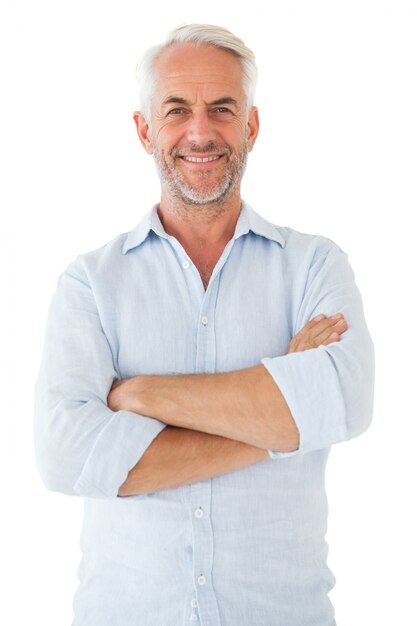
(200,160)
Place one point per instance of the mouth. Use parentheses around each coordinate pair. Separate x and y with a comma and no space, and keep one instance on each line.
(203,163)
(207,159)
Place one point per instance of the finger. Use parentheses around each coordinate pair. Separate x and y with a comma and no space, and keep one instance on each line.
(318,317)
(319,324)
(339,328)
(321,316)
(333,337)
(312,322)
(324,325)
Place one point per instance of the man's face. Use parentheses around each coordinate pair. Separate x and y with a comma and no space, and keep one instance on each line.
(200,132)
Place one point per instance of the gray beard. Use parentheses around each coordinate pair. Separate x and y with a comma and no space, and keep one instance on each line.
(180,190)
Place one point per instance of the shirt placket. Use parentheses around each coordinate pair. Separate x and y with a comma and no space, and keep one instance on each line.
(203,607)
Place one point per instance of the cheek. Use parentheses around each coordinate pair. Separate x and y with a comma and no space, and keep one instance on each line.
(165,138)
(168,128)
(237,133)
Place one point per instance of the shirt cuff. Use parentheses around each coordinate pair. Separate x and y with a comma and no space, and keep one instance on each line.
(118,448)
(309,383)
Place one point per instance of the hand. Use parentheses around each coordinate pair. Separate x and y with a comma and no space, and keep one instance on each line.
(123,395)
(320,331)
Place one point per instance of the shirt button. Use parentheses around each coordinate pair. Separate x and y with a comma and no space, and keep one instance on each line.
(201,580)
(199,513)
(194,603)
(204,320)
(186,265)
(193,617)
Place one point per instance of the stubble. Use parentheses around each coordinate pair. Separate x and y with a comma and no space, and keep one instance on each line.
(205,198)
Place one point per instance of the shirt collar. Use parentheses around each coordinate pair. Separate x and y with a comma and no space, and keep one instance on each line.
(248,220)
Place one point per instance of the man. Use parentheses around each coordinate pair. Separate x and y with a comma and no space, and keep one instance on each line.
(196,372)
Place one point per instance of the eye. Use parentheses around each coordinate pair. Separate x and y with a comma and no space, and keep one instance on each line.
(222,112)
(176,111)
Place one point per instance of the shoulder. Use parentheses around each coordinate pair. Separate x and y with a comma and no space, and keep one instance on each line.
(100,261)
(304,255)
(310,256)
(298,241)
(292,241)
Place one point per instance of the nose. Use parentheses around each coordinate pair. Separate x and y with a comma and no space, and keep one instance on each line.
(200,129)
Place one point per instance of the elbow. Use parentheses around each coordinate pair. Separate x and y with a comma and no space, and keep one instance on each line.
(55,459)
(73,448)
(359,399)
(55,484)
(50,465)
(359,414)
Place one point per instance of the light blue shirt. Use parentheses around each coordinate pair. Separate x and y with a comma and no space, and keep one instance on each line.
(243,549)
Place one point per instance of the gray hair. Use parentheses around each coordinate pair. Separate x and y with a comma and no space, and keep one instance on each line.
(202,34)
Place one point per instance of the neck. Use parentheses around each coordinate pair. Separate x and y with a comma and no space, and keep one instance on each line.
(203,226)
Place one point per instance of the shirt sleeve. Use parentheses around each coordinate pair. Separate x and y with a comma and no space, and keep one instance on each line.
(82,447)
(329,389)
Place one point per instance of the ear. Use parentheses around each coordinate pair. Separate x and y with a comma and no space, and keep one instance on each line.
(143,130)
(253,127)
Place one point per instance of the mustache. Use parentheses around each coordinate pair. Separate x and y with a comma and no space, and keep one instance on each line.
(218,148)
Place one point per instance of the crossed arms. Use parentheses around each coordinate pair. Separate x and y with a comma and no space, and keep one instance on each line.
(217,422)
(149,433)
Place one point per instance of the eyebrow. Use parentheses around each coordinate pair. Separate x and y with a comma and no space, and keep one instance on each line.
(226,100)
(179,100)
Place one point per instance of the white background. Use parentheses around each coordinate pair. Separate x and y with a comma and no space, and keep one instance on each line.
(336,156)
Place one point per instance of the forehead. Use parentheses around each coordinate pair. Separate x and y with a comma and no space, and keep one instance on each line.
(187,66)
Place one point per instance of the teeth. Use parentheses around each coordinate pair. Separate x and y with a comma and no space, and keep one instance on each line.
(198,160)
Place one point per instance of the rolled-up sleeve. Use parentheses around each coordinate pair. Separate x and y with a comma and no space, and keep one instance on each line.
(82,447)
(329,389)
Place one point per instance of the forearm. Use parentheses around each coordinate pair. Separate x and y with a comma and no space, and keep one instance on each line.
(244,405)
(179,457)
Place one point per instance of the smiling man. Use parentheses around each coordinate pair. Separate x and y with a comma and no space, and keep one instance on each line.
(196,372)
(197,164)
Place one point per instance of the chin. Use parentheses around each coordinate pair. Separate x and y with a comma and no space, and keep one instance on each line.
(203,198)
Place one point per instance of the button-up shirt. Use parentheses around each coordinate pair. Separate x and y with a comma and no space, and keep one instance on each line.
(246,548)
